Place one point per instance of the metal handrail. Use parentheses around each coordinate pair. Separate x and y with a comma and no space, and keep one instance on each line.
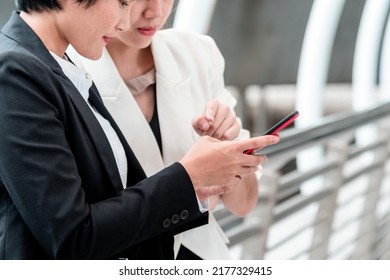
(297,139)
(340,127)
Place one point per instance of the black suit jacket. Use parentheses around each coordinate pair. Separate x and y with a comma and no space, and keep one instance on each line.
(60,190)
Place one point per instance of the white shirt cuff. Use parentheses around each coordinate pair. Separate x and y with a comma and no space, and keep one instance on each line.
(204,206)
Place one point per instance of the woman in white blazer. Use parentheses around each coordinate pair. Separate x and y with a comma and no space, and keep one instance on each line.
(156,84)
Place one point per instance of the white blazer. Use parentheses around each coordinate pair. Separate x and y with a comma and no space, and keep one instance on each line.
(189,73)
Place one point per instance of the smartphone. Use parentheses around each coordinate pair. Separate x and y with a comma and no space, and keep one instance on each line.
(283,123)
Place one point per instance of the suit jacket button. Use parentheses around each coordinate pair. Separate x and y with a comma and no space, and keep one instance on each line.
(175,219)
(184,215)
(166,223)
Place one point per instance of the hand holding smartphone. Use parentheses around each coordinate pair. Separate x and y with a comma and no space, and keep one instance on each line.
(283,123)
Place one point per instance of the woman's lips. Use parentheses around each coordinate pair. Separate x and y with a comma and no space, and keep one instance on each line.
(147,31)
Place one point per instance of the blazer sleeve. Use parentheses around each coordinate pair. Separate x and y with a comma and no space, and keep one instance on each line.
(39,172)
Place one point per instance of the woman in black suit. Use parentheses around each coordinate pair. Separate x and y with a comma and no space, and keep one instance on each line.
(70,186)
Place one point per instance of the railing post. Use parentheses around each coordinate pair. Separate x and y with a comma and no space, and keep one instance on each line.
(369,222)
(386,251)
(256,247)
(337,150)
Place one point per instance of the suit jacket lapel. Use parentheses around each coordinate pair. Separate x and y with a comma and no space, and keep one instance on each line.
(97,136)
(124,109)
(174,109)
(135,171)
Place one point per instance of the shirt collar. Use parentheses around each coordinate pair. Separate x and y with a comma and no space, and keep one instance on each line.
(80,78)
(139,84)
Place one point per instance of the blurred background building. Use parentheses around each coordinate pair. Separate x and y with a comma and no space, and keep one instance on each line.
(325,192)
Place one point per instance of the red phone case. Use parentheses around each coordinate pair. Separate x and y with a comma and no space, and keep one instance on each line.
(283,123)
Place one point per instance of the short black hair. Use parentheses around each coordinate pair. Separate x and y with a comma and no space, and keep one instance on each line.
(46,5)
